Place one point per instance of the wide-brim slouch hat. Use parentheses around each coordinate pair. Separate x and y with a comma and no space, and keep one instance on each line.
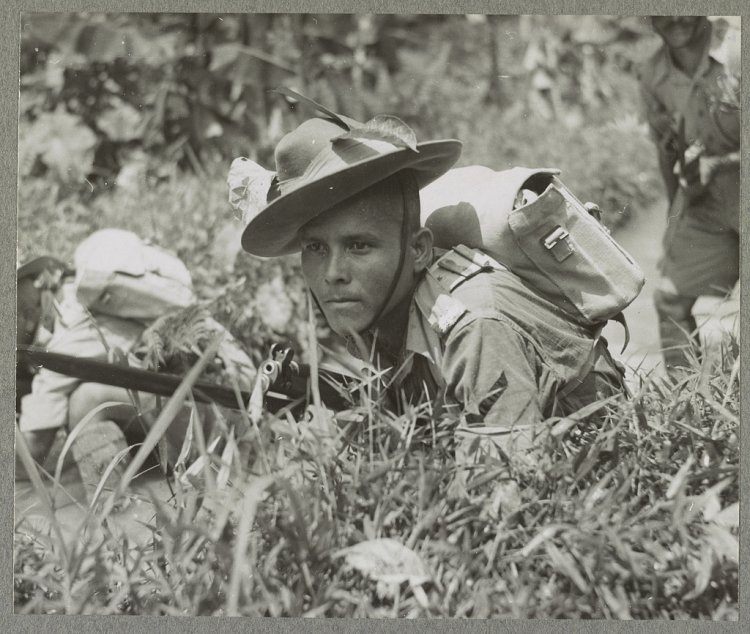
(326,161)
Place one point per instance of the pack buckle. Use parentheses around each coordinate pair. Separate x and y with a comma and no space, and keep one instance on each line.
(558,243)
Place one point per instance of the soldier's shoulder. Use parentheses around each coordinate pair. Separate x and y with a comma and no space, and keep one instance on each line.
(436,295)
(463,285)
(492,293)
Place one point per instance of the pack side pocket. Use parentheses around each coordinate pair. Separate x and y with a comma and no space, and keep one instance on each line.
(580,210)
(577,259)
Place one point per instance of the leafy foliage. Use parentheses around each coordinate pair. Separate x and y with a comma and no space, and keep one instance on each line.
(62,143)
(192,89)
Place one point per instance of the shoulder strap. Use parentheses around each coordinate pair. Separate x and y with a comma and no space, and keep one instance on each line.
(448,272)
(462,263)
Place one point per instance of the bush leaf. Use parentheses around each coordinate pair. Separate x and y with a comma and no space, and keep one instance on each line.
(729,516)
(679,478)
(62,142)
(723,543)
(386,560)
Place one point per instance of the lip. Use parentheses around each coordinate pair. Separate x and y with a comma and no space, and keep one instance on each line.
(343,304)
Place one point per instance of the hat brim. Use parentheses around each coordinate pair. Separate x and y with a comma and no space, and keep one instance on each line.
(42,263)
(273,232)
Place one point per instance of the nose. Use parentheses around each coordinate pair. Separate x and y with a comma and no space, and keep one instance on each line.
(337,270)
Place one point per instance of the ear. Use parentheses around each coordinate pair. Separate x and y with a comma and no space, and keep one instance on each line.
(421,244)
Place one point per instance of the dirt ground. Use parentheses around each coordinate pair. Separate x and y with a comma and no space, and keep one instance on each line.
(641,238)
(70,507)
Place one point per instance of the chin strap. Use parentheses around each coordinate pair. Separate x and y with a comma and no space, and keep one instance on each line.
(409,198)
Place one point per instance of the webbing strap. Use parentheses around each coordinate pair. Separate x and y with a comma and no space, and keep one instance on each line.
(577,381)
(620,319)
(571,385)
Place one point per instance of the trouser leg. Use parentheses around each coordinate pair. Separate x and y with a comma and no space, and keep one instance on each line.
(677,329)
(97,447)
(99,433)
(701,257)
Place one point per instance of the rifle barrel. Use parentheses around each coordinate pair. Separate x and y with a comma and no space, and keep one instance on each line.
(163,384)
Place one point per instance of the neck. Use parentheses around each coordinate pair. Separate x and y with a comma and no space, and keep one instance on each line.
(390,331)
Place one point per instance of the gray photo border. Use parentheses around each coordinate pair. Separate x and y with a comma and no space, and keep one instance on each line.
(9,48)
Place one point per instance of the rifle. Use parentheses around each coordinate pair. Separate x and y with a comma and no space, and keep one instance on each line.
(284,381)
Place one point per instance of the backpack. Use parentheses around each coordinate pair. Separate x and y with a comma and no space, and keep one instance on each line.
(531,223)
(119,274)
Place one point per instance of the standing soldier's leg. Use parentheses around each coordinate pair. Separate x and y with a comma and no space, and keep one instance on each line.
(701,257)
(676,327)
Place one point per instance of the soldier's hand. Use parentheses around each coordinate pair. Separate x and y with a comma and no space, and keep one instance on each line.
(117,356)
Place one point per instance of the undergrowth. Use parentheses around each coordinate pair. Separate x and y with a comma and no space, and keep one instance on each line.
(365,513)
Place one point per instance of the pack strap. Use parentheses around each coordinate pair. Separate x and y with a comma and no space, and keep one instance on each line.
(571,385)
(470,262)
(597,351)
(577,381)
(620,319)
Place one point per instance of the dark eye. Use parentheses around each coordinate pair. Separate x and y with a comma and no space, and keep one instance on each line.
(313,246)
(359,245)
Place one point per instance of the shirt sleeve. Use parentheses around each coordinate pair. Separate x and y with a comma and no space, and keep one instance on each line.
(660,126)
(491,372)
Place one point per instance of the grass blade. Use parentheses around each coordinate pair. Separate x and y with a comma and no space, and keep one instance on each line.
(30,465)
(163,421)
(251,497)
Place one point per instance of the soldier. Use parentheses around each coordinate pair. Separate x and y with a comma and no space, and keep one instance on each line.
(50,315)
(92,314)
(691,103)
(480,340)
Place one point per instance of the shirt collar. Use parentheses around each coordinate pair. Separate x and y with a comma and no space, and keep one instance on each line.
(432,311)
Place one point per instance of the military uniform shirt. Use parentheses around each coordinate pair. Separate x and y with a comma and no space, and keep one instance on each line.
(701,245)
(708,103)
(501,353)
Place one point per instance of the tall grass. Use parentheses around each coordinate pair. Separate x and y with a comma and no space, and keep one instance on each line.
(361,515)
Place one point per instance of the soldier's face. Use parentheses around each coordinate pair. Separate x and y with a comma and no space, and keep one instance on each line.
(350,255)
(678,31)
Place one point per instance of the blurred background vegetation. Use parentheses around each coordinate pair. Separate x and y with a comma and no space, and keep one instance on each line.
(132,120)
